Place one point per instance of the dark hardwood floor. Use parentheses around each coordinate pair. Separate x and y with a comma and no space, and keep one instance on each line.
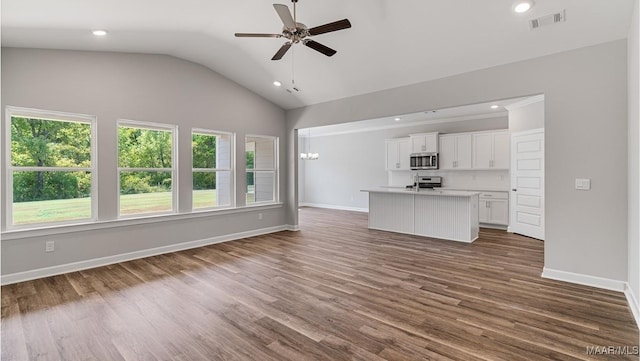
(332,291)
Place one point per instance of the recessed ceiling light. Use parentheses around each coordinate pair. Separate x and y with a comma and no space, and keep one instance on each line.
(522,6)
(398,119)
(495,106)
(277,83)
(99,32)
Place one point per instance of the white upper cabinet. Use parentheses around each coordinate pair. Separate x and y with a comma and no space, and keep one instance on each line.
(501,153)
(424,142)
(491,150)
(455,151)
(397,152)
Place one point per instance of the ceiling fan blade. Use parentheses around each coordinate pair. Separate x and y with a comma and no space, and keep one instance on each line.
(285,15)
(254,35)
(319,47)
(283,50)
(327,28)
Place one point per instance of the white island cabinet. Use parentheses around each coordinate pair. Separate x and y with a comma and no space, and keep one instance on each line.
(451,215)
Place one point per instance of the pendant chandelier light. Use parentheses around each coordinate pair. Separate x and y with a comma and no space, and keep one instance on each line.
(308,155)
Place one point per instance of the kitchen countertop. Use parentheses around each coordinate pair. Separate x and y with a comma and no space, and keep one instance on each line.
(421,192)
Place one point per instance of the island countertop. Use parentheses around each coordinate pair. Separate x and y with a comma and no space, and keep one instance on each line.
(421,192)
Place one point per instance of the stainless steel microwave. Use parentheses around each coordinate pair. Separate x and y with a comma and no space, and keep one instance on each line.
(424,161)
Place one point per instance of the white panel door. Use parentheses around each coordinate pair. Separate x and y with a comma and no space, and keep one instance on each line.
(527,184)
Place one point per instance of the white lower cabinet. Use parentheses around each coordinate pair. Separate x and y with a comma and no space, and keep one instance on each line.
(494,208)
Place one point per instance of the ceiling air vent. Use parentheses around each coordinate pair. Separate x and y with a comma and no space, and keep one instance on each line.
(548,20)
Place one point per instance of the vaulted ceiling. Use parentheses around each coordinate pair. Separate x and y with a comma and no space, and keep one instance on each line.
(392,43)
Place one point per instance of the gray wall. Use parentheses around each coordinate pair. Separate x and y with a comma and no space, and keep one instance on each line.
(153,88)
(527,117)
(350,162)
(634,156)
(586,231)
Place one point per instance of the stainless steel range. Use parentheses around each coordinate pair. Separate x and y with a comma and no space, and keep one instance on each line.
(426,182)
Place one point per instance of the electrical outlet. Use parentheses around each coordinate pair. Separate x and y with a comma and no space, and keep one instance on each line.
(583,184)
(49,246)
(260,216)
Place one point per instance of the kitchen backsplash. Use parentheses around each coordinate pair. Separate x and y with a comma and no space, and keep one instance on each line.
(471,179)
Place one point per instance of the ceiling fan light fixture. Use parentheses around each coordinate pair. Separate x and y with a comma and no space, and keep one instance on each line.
(99,32)
(298,33)
(522,6)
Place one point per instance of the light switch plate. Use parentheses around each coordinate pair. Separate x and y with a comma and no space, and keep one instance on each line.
(583,184)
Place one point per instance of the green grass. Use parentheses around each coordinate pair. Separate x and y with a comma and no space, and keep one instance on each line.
(51,211)
(204,198)
(80,208)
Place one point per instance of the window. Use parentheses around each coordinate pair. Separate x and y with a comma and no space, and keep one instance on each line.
(262,169)
(51,175)
(213,184)
(146,168)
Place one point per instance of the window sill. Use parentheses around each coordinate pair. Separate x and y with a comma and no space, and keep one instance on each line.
(92,226)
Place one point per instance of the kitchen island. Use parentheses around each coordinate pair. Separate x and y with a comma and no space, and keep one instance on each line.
(445,214)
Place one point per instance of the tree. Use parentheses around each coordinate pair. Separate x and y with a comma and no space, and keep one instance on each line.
(50,143)
(144,148)
(204,156)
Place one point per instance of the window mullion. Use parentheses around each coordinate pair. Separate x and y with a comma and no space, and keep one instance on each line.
(125,169)
(50,169)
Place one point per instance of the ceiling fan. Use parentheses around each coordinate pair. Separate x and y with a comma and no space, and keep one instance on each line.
(296,32)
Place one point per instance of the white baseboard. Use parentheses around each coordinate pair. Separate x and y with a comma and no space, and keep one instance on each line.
(293,228)
(586,280)
(633,304)
(331,206)
(103,261)
(494,226)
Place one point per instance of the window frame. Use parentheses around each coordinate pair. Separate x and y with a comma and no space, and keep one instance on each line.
(51,115)
(275,170)
(173,170)
(232,161)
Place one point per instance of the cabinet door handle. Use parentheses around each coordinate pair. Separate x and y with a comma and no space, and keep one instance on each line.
(397,165)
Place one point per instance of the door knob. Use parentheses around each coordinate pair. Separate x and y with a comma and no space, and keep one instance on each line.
(513,189)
